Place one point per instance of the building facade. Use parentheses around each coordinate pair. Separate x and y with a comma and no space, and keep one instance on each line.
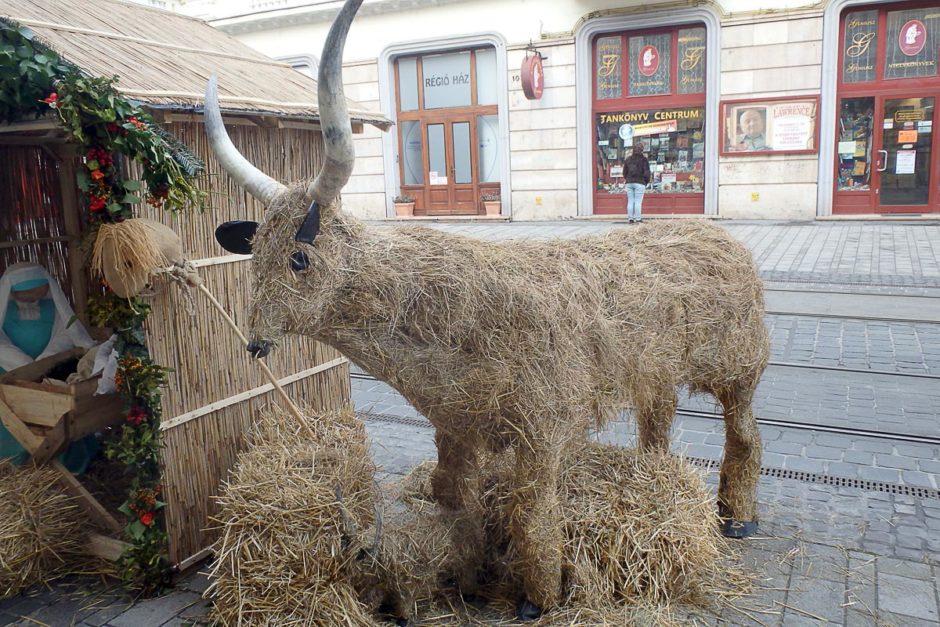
(798,110)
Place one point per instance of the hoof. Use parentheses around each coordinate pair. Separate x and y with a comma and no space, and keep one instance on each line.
(402,622)
(731,528)
(526,610)
(472,599)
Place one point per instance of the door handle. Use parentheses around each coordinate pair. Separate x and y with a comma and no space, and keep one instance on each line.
(885,162)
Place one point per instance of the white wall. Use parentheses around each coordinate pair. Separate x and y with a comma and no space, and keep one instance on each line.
(773,50)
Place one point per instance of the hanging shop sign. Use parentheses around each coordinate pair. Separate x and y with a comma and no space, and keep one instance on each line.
(533,76)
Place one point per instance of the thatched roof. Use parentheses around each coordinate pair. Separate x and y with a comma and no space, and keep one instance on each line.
(163,59)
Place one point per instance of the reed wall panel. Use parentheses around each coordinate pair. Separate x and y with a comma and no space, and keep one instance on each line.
(208,362)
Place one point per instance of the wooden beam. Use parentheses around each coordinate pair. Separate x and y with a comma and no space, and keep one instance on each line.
(84,498)
(106,548)
(18,429)
(71,213)
(42,124)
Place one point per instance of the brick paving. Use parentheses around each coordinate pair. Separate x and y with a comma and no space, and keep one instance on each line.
(827,554)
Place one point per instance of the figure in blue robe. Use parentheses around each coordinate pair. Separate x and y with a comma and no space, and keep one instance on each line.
(37,322)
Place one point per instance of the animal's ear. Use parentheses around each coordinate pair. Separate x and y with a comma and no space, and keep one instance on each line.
(235,236)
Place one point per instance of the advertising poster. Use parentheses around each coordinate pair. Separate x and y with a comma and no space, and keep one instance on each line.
(771,126)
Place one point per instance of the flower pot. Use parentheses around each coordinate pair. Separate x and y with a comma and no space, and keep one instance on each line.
(492,207)
(404,209)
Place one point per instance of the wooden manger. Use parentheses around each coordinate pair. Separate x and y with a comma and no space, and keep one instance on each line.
(46,417)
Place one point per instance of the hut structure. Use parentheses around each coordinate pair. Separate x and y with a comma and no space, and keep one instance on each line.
(163,61)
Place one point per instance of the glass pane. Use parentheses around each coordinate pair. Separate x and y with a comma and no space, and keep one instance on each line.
(446,80)
(436,156)
(650,61)
(911,46)
(462,170)
(411,143)
(853,154)
(408,83)
(672,139)
(691,60)
(609,79)
(488,136)
(905,179)
(486,76)
(861,46)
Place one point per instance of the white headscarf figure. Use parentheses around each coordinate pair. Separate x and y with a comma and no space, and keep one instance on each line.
(64,335)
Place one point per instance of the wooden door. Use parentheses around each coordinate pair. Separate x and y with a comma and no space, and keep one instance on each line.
(451,159)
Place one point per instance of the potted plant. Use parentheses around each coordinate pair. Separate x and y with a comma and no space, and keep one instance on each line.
(404,205)
(492,203)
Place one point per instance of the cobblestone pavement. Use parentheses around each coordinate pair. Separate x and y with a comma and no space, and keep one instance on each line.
(857,554)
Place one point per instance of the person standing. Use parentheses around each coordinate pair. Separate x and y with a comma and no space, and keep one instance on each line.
(636,171)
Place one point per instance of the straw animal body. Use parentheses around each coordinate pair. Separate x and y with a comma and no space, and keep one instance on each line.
(516,344)
(524,343)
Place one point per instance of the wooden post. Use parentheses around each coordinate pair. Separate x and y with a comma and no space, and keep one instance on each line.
(71,213)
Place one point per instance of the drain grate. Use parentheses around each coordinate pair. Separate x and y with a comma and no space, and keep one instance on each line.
(713,464)
(842,482)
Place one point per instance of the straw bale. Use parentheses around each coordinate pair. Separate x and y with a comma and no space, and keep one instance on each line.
(289,518)
(641,537)
(42,530)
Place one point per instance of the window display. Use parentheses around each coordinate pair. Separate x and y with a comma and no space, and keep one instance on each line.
(672,139)
(854,148)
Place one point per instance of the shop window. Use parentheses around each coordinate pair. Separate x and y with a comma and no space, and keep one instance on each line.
(860,47)
(408,83)
(856,117)
(911,46)
(486,76)
(411,150)
(447,80)
(607,62)
(691,60)
(488,138)
(673,141)
(650,65)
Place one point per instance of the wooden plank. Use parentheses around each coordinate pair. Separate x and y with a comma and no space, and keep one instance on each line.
(105,547)
(36,370)
(93,414)
(71,214)
(85,500)
(18,428)
(194,559)
(53,442)
(238,398)
(35,404)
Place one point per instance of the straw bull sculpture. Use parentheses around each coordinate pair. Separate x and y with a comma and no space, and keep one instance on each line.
(515,344)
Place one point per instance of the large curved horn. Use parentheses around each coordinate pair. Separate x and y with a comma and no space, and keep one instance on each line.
(334,115)
(255,182)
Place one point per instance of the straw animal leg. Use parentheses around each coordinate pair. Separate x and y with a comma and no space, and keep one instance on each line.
(654,420)
(536,526)
(740,469)
(453,484)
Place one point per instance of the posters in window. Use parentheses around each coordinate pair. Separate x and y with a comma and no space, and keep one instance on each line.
(770,126)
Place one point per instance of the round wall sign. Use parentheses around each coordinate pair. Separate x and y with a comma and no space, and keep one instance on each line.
(648,61)
(533,78)
(912,38)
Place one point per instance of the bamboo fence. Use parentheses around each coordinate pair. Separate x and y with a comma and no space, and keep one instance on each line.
(215,390)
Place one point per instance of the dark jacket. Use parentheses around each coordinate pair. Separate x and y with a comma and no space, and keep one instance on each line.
(636,169)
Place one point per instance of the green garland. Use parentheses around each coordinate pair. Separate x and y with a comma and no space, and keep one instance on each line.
(35,79)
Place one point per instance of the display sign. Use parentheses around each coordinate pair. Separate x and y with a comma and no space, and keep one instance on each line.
(532,76)
(609,78)
(911,46)
(651,63)
(904,164)
(770,126)
(691,60)
(860,47)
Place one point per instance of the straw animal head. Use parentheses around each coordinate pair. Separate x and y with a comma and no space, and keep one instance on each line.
(302,224)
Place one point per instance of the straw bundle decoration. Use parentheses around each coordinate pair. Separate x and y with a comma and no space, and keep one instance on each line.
(521,344)
(127,253)
(290,516)
(42,530)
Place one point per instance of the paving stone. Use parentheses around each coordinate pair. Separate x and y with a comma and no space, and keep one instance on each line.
(906,596)
(820,597)
(885,475)
(823,452)
(895,461)
(156,611)
(804,465)
(904,568)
